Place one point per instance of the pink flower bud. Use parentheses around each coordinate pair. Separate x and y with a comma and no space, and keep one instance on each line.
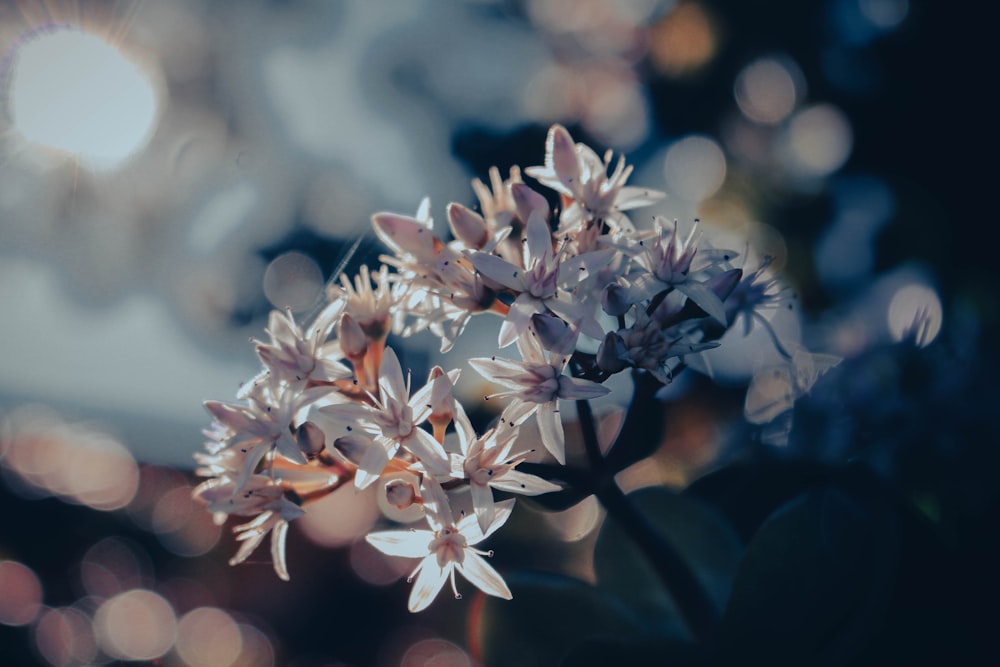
(615,300)
(311,438)
(612,355)
(553,333)
(353,341)
(467,226)
(353,447)
(400,493)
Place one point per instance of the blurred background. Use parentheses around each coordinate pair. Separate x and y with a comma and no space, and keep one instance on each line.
(171,171)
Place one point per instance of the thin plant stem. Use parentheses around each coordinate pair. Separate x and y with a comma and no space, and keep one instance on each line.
(679,579)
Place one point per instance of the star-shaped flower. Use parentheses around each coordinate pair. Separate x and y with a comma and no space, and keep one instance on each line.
(394,421)
(537,384)
(577,173)
(488,462)
(538,283)
(445,548)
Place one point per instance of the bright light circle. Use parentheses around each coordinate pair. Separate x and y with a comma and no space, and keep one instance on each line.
(72,91)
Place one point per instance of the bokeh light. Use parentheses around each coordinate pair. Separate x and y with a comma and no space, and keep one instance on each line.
(577,522)
(684,40)
(72,91)
(819,140)
(20,593)
(77,462)
(341,517)
(65,637)
(435,653)
(293,280)
(375,568)
(135,625)
(915,314)
(208,637)
(768,89)
(694,168)
(113,565)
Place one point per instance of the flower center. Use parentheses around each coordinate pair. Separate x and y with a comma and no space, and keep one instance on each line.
(449,546)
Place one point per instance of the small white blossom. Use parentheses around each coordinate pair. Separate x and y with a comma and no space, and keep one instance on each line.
(536,385)
(539,282)
(576,172)
(488,462)
(260,496)
(394,421)
(445,548)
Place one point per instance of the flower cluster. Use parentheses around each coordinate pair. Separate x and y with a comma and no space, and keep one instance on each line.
(578,291)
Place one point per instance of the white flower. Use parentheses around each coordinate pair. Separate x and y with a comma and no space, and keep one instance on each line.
(538,282)
(537,384)
(668,259)
(488,463)
(261,496)
(267,423)
(394,421)
(575,171)
(297,356)
(447,547)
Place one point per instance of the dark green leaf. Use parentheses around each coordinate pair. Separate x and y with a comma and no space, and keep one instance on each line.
(549,615)
(702,537)
(815,582)
(748,493)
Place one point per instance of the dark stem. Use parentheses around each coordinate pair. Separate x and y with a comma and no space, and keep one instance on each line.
(590,442)
(693,602)
(695,607)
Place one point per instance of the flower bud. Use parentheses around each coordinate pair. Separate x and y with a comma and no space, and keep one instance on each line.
(612,356)
(353,447)
(311,438)
(400,493)
(553,333)
(615,300)
(724,283)
(528,201)
(467,226)
(353,341)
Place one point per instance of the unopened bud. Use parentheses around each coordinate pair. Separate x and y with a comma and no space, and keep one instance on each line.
(612,356)
(400,493)
(353,447)
(442,401)
(311,438)
(615,300)
(467,226)
(528,201)
(724,283)
(553,333)
(353,341)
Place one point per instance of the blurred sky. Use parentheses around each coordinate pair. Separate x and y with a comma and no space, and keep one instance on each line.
(169,171)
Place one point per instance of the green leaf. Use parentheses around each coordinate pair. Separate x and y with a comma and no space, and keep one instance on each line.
(549,615)
(700,534)
(747,493)
(815,582)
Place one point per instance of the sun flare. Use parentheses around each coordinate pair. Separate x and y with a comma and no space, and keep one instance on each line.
(72,91)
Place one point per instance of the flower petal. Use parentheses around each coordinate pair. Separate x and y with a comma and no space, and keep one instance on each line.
(482,503)
(515,481)
(429,582)
(422,444)
(482,575)
(391,381)
(405,543)
(278,534)
(706,299)
(551,429)
(372,464)
(498,270)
